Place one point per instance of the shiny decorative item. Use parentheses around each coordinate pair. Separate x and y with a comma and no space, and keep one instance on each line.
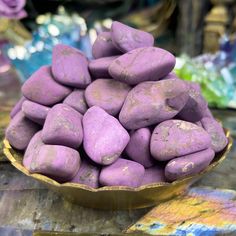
(154,19)
(14,31)
(217,21)
(201,211)
(53,29)
(116,197)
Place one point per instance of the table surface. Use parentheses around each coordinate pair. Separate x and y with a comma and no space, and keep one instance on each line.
(27,204)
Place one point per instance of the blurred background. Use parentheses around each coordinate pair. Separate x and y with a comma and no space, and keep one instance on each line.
(200,33)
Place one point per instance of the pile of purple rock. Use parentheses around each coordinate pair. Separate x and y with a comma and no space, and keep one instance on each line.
(121,119)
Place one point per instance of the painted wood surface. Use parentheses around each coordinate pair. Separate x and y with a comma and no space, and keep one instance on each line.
(28,205)
(9,94)
(203,211)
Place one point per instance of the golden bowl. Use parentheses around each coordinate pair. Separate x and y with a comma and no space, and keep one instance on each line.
(116,197)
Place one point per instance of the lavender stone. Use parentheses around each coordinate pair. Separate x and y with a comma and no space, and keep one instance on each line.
(42,88)
(155,174)
(76,100)
(103,46)
(99,67)
(174,138)
(104,137)
(188,165)
(152,102)
(63,126)
(32,149)
(70,66)
(196,105)
(58,162)
(126,38)
(17,107)
(20,131)
(88,174)
(216,131)
(208,113)
(35,111)
(142,64)
(122,173)
(171,75)
(107,94)
(138,148)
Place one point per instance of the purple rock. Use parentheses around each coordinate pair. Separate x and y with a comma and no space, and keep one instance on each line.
(153,102)
(142,64)
(103,46)
(88,174)
(58,162)
(17,107)
(188,165)
(174,138)
(155,174)
(70,66)
(138,148)
(77,101)
(199,123)
(208,113)
(42,88)
(216,131)
(104,137)
(171,75)
(122,173)
(35,112)
(20,131)
(99,67)
(107,94)
(33,149)
(196,105)
(126,38)
(63,126)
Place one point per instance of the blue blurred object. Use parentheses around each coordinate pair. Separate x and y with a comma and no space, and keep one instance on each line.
(53,29)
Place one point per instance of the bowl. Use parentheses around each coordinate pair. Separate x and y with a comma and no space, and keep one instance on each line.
(116,197)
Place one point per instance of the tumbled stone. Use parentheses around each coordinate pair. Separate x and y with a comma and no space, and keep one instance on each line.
(142,64)
(70,66)
(174,138)
(107,94)
(42,88)
(104,137)
(126,38)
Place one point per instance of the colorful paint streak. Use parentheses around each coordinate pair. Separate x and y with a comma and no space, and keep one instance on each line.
(202,211)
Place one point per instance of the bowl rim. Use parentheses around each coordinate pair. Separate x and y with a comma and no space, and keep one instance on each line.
(7,148)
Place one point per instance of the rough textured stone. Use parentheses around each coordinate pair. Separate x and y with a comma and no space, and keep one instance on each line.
(70,66)
(63,126)
(150,103)
(174,138)
(20,131)
(126,38)
(104,137)
(122,173)
(103,46)
(142,64)
(107,94)
(42,88)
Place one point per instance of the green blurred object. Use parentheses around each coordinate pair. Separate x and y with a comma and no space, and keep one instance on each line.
(212,84)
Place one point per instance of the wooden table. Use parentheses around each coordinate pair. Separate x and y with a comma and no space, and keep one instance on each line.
(29,205)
